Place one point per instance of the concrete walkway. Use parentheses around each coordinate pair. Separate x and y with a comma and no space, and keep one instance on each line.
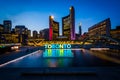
(8,56)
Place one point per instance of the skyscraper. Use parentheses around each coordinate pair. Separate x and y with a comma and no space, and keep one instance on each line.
(72,24)
(7,26)
(22,31)
(68,25)
(80,30)
(35,34)
(29,33)
(44,34)
(53,29)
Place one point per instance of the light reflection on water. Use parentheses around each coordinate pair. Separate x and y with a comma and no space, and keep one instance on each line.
(58,57)
(58,53)
(67,58)
(60,62)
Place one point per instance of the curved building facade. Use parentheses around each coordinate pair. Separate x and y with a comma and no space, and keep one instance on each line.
(66,31)
(68,25)
(53,29)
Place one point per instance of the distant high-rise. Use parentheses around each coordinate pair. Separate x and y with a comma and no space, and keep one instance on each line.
(35,34)
(44,34)
(68,25)
(7,26)
(22,31)
(80,30)
(53,28)
(1,28)
(29,33)
(41,34)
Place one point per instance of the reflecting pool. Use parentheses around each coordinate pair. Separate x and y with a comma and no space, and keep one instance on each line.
(68,58)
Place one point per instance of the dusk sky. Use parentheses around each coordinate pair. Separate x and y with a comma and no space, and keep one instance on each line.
(34,14)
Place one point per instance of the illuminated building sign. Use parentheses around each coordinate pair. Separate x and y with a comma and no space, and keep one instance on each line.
(57,46)
(58,53)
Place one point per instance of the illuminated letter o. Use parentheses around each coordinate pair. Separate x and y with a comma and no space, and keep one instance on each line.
(49,46)
(68,46)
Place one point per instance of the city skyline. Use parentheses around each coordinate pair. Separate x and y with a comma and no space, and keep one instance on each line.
(88,12)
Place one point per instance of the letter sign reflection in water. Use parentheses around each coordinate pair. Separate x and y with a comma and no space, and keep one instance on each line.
(58,53)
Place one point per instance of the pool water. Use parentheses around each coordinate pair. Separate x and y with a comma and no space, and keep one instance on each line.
(66,58)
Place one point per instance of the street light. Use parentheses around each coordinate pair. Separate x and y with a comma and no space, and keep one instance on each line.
(52,17)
